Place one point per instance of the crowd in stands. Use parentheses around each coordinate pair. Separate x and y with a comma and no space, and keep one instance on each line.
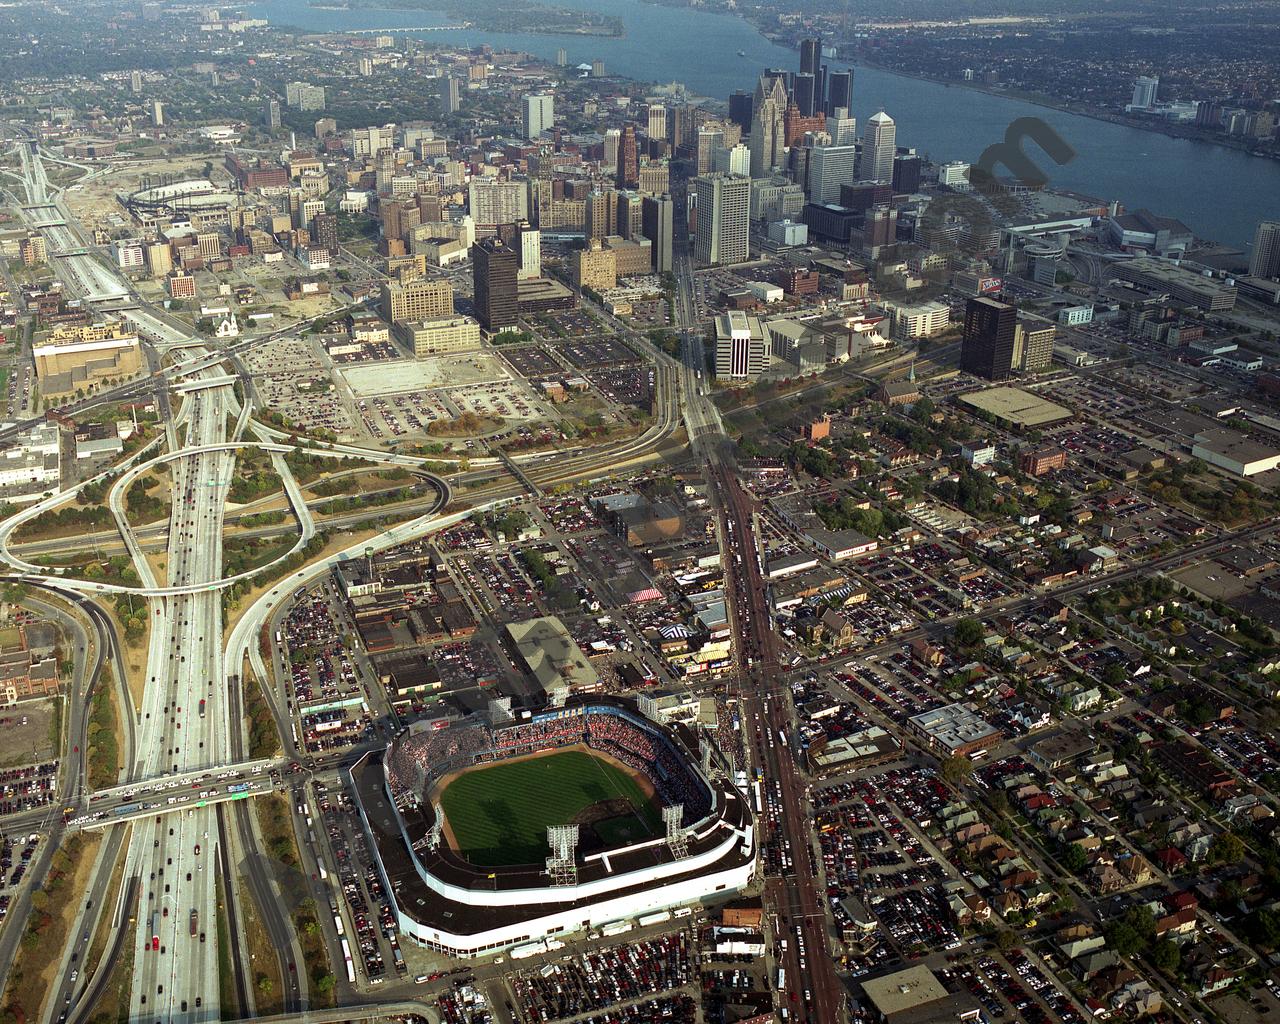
(422,755)
(646,752)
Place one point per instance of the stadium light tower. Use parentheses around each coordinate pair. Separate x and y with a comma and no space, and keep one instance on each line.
(677,835)
(562,865)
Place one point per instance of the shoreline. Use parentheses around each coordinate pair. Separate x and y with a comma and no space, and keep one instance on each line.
(1048,104)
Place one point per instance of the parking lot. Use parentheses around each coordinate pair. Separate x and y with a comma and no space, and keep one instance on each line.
(292,380)
(597,352)
(596,980)
(325,691)
(21,789)
(368,910)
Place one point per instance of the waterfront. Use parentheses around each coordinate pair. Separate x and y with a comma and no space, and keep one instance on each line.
(1220,193)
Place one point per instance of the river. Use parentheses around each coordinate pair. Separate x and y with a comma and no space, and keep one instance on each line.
(1219,193)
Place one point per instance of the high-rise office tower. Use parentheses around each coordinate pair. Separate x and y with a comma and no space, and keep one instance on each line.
(839,90)
(724,219)
(530,249)
(810,56)
(829,167)
(1144,92)
(804,93)
(628,220)
(157,113)
(495,273)
(986,349)
(710,140)
(657,225)
(498,202)
(450,94)
(678,122)
(842,128)
(732,160)
(628,175)
(324,231)
(271,114)
(599,214)
(657,121)
(539,114)
(740,109)
(879,141)
(612,142)
(1265,261)
(906,174)
(768,129)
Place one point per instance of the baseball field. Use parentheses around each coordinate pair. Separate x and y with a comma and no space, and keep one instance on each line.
(498,814)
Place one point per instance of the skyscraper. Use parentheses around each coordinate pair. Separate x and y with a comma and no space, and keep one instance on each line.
(986,349)
(810,56)
(1265,261)
(842,128)
(732,160)
(324,232)
(450,94)
(724,219)
(562,57)
(768,130)
(804,93)
(710,141)
(879,141)
(530,252)
(906,174)
(657,121)
(157,113)
(839,90)
(271,114)
(612,142)
(829,168)
(494,276)
(1144,92)
(135,82)
(539,114)
(740,110)
(657,224)
(628,175)
(599,214)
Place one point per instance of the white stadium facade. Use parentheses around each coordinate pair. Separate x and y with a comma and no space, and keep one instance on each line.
(706,852)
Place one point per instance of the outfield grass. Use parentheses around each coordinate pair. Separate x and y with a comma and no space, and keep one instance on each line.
(499,814)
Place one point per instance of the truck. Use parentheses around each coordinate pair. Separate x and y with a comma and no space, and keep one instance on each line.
(155,929)
(195,923)
(202,709)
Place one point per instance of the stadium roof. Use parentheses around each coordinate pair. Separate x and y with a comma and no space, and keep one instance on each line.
(1016,407)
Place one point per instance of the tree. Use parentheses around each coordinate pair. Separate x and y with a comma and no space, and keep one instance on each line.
(1005,940)
(968,632)
(1166,955)
(1123,939)
(1227,848)
(1074,858)
(957,769)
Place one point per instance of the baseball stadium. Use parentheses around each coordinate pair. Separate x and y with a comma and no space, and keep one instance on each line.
(492,834)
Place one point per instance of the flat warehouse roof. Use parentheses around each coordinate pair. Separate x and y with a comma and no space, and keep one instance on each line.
(1017,407)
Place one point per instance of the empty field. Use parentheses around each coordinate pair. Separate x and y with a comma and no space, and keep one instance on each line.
(499,814)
